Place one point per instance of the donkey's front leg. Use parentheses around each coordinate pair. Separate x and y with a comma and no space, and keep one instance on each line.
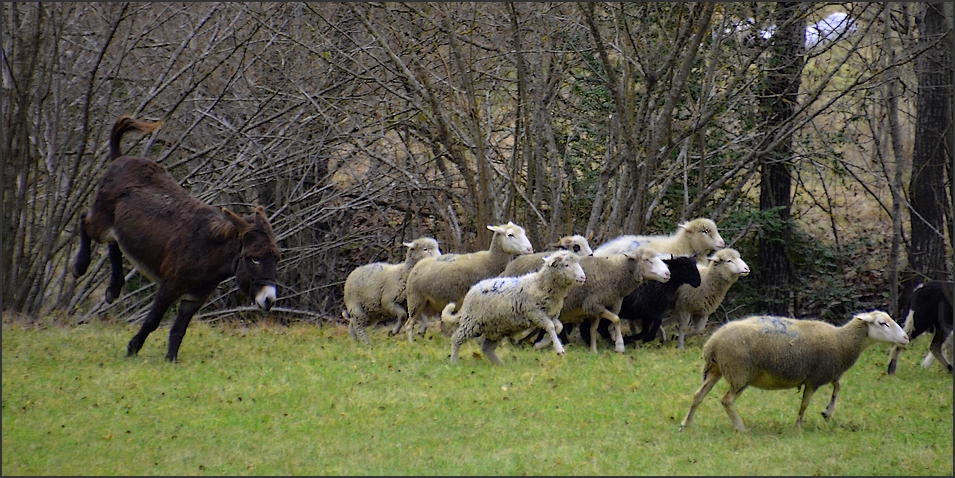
(82,261)
(116,279)
(163,300)
(187,308)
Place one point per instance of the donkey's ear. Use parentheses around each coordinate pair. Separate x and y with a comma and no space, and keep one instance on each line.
(261,219)
(241,224)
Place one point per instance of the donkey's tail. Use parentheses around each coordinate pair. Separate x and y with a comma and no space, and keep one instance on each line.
(127,123)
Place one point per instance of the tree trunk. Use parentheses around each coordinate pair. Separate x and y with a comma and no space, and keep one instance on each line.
(927,193)
(779,104)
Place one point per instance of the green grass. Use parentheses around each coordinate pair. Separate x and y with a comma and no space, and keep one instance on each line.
(305,400)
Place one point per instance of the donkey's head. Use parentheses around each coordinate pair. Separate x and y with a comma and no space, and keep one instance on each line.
(258,257)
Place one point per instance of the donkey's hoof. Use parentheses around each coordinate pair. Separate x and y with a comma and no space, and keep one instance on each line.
(111,295)
(80,268)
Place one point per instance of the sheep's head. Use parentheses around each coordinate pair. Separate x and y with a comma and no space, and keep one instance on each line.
(683,269)
(577,244)
(731,262)
(421,248)
(566,264)
(703,235)
(650,264)
(512,239)
(882,328)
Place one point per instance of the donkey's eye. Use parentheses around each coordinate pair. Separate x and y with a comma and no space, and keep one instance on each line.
(254,261)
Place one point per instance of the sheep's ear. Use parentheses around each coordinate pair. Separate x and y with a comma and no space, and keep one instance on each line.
(873,317)
(494,228)
(409,245)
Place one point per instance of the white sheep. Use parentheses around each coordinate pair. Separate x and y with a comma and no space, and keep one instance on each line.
(435,281)
(376,291)
(521,265)
(693,305)
(697,238)
(609,280)
(503,306)
(775,353)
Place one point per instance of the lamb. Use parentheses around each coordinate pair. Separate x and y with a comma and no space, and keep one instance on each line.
(647,303)
(774,353)
(697,238)
(436,281)
(609,280)
(375,292)
(930,310)
(694,305)
(521,265)
(502,306)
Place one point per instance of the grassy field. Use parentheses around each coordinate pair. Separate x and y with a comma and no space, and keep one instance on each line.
(306,400)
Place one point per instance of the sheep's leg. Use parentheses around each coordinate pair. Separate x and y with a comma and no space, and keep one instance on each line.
(552,332)
(896,349)
(488,349)
(396,310)
(728,400)
(519,336)
(617,330)
(699,326)
(662,334)
(710,377)
(682,323)
(544,342)
(457,338)
(351,326)
(357,326)
(894,358)
(831,408)
(397,327)
(412,318)
(424,324)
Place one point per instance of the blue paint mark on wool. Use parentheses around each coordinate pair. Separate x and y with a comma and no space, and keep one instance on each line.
(778,325)
(497,285)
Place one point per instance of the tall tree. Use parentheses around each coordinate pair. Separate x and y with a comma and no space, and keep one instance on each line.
(778,104)
(932,153)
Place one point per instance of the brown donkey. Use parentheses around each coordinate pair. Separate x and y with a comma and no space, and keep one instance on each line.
(184,245)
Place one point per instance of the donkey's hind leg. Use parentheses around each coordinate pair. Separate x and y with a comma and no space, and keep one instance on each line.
(82,261)
(163,300)
(116,279)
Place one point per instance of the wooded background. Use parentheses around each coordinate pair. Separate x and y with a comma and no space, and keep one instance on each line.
(822,150)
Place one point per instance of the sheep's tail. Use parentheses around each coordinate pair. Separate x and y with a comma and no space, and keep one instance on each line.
(127,123)
(447,315)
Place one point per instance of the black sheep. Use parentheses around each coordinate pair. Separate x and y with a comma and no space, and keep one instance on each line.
(647,303)
(930,310)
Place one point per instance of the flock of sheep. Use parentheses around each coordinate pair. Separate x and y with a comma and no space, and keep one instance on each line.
(509,292)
